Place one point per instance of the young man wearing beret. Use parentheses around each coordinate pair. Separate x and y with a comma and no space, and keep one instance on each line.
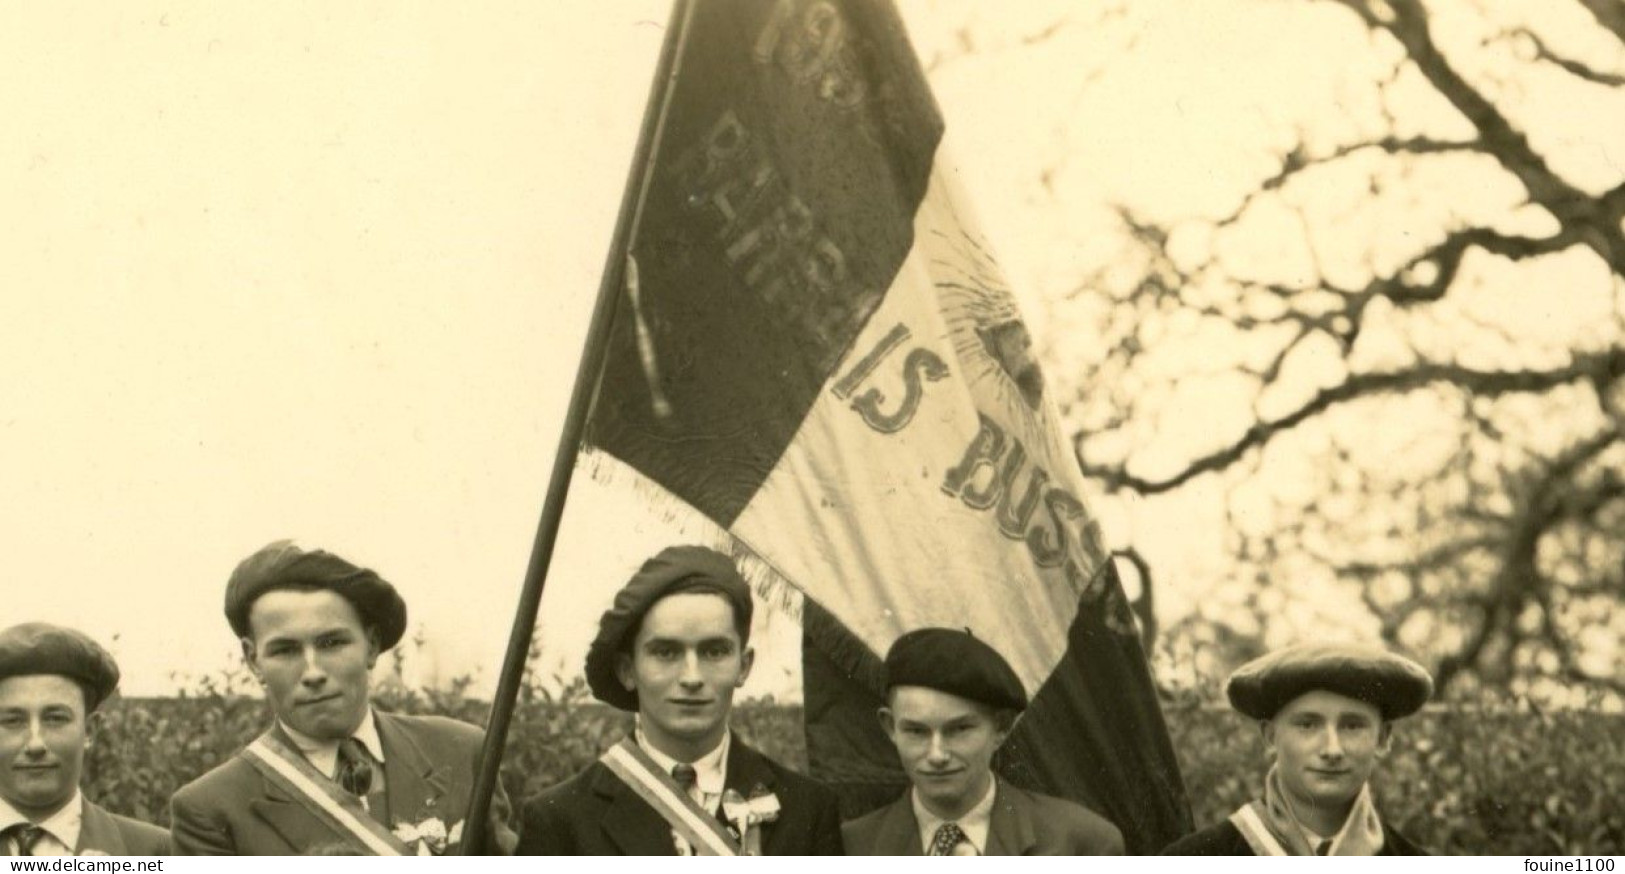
(1326,712)
(52,680)
(673,648)
(332,774)
(950,703)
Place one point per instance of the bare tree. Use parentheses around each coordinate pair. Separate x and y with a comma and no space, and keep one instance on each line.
(1407,341)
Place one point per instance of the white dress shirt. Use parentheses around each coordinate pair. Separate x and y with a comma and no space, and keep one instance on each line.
(975,823)
(710,770)
(324,754)
(61,828)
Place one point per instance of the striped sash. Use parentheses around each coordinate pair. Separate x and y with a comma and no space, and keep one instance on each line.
(691,822)
(1256,833)
(1272,829)
(340,811)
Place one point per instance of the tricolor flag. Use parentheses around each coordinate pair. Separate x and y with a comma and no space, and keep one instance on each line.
(816,350)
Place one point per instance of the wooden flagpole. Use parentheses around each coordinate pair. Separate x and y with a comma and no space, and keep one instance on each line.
(575,420)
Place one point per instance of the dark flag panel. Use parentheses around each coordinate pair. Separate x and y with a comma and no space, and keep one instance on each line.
(795,150)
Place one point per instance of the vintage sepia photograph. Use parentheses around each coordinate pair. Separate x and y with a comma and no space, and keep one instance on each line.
(813,427)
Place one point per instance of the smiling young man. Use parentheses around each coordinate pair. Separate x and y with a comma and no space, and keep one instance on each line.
(332,773)
(1326,712)
(950,703)
(674,648)
(52,680)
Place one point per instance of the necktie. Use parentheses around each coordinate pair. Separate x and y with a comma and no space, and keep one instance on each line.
(687,778)
(1323,847)
(949,835)
(25,835)
(354,768)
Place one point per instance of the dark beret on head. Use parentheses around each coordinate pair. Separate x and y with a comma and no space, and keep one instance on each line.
(955,662)
(1393,684)
(38,648)
(674,570)
(282,565)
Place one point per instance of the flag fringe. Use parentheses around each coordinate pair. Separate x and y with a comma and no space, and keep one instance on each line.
(770,586)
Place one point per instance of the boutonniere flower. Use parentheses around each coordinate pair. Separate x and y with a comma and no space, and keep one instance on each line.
(430,836)
(747,816)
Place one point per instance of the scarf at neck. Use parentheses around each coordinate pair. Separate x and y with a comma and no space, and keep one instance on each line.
(1361,834)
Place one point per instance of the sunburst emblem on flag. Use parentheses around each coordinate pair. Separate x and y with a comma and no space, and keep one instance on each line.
(988,336)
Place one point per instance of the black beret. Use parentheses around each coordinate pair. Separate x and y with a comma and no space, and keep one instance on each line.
(38,648)
(1393,684)
(674,569)
(282,565)
(955,662)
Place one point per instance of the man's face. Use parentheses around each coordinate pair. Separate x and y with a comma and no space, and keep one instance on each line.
(946,744)
(686,662)
(1326,746)
(313,655)
(43,736)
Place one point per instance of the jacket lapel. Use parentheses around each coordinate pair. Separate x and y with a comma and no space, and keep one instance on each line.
(415,788)
(98,831)
(300,828)
(632,825)
(1010,833)
(638,830)
(294,822)
(898,833)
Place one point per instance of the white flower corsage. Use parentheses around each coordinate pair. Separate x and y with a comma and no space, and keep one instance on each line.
(431,836)
(747,816)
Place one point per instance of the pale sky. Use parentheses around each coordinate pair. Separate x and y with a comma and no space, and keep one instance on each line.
(321,272)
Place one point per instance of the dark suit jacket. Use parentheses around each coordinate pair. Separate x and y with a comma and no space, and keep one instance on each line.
(594,813)
(1023,824)
(102,832)
(1224,839)
(430,764)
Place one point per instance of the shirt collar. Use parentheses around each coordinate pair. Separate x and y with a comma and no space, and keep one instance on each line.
(710,769)
(63,826)
(975,823)
(324,754)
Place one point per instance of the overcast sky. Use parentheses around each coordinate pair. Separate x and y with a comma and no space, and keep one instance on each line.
(322,272)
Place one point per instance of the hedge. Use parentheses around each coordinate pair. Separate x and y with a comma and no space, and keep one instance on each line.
(1495,778)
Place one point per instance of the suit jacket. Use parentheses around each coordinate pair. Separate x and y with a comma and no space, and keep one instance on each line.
(594,813)
(430,763)
(106,833)
(1224,839)
(1023,824)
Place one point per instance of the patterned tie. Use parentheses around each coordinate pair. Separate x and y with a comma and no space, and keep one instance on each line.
(354,768)
(25,835)
(949,835)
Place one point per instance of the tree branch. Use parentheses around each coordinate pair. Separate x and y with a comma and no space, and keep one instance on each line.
(1572,67)
(1484,383)
(1610,14)
(1296,162)
(1408,24)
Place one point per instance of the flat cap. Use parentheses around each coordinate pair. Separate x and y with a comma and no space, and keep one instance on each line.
(282,565)
(956,662)
(674,570)
(39,648)
(1393,684)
